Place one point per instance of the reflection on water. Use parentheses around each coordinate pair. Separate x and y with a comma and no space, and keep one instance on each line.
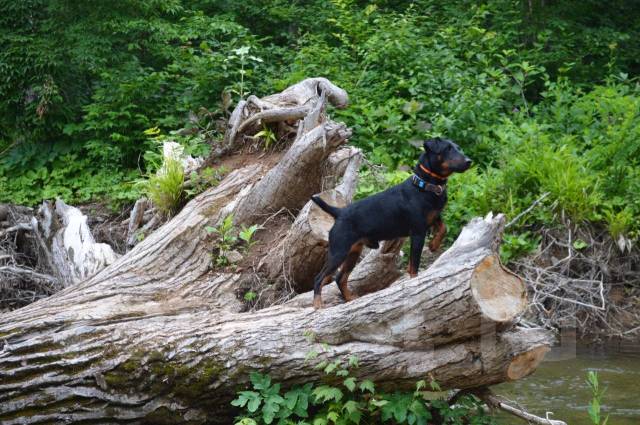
(559,385)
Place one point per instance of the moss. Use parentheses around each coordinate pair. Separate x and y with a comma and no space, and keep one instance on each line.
(163,416)
(194,385)
(155,375)
(116,379)
(123,375)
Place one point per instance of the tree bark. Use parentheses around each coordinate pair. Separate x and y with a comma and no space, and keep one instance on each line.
(103,352)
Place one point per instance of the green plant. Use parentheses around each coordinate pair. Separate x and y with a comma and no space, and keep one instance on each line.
(208,177)
(226,239)
(344,400)
(517,245)
(246,234)
(250,296)
(267,135)
(165,187)
(596,400)
(242,56)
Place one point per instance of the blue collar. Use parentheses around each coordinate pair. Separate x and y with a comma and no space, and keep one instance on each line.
(424,186)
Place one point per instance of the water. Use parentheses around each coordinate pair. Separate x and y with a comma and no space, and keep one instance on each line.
(559,385)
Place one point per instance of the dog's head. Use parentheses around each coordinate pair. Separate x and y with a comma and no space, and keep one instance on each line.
(443,157)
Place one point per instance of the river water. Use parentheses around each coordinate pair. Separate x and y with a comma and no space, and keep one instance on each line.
(559,384)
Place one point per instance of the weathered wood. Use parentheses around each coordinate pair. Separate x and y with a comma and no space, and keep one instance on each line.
(111,349)
(301,254)
(75,255)
(135,220)
(298,175)
(292,104)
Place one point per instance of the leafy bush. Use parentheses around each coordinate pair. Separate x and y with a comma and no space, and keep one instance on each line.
(349,401)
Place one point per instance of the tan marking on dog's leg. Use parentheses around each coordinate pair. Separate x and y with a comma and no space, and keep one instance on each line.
(345,271)
(439,231)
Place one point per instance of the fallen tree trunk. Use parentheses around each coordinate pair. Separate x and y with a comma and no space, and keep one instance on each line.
(170,356)
(157,337)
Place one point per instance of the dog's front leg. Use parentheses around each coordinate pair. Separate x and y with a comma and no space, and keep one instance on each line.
(417,243)
(439,231)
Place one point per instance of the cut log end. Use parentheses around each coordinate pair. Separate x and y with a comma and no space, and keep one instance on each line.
(525,363)
(500,294)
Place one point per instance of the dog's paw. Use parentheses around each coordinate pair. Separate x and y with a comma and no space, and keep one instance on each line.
(317,303)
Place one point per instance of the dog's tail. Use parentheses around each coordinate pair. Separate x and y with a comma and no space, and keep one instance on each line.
(333,211)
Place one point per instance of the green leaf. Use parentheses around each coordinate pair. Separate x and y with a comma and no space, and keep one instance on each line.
(353,361)
(259,381)
(326,393)
(580,244)
(378,403)
(367,385)
(249,398)
(350,383)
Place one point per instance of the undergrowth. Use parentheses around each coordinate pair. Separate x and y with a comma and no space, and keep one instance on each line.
(344,399)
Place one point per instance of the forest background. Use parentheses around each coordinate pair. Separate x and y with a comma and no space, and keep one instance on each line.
(543,95)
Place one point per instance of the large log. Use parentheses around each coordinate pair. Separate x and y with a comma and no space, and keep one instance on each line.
(180,359)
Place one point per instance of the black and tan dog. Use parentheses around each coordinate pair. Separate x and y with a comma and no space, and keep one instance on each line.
(408,209)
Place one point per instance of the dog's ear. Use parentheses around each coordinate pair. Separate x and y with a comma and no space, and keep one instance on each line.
(433,145)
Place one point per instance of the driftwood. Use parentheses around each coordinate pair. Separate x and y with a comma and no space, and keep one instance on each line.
(497,402)
(158,336)
(75,255)
(44,251)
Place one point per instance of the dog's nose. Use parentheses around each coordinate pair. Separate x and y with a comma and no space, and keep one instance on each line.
(468,162)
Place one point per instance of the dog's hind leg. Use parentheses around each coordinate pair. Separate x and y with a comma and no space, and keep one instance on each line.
(345,270)
(326,276)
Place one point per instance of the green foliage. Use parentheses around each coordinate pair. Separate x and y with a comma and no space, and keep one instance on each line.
(246,234)
(596,401)
(543,96)
(228,238)
(344,400)
(268,136)
(250,296)
(207,178)
(165,186)
(514,246)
